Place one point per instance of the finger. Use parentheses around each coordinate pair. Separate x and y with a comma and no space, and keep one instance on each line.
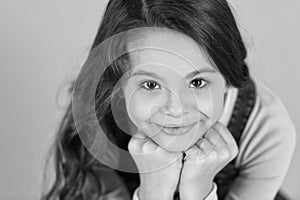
(136,142)
(201,148)
(214,137)
(205,146)
(150,146)
(224,133)
(191,152)
(140,138)
(227,138)
(140,135)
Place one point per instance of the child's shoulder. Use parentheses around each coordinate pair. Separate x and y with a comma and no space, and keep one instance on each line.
(269,117)
(268,102)
(269,137)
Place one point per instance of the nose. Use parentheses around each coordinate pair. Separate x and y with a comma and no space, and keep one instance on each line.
(176,104)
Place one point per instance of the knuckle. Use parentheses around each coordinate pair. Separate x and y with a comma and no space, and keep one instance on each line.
(225,133)
(213,132)
(133,145)
(148,146)
(226,154)
(192,150)
(213,155)
(218,127)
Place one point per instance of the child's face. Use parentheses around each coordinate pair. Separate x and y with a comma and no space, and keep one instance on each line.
(163,91)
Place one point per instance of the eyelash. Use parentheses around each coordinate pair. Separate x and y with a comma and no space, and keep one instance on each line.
(150,81)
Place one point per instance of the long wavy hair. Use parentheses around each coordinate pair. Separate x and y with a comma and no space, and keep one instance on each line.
(210,23)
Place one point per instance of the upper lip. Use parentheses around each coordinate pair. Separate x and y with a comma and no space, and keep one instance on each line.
(176,125)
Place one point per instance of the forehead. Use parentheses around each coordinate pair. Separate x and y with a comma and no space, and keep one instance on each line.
(171,49)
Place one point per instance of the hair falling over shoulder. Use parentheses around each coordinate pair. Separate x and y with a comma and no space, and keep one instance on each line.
(210,23)
(73,164)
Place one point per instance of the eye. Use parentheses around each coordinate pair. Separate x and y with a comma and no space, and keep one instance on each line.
(150,85)
(199,83)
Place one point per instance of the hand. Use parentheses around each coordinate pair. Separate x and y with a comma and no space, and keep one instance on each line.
(159,169)
(204,160)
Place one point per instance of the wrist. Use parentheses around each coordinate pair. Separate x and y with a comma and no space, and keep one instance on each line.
(196,191)
(151,193)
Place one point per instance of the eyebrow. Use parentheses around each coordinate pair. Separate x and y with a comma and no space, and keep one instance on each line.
(188,76)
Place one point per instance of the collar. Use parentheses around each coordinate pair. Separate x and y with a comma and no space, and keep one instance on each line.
(231,96)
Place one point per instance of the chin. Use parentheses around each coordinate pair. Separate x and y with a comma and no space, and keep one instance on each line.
(176,148)
(176,144)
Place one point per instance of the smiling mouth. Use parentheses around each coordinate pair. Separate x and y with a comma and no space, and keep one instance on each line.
(176,130)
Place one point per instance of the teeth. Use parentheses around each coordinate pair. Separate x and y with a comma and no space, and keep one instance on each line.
(174,130)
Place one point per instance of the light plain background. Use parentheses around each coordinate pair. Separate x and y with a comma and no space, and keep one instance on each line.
(42,44)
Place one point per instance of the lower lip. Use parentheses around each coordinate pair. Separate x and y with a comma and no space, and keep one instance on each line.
(176,131)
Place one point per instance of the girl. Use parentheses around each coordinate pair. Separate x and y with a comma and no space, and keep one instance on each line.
(166,81)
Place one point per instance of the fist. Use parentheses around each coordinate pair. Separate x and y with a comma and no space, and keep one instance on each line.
(204,160)
(159,169)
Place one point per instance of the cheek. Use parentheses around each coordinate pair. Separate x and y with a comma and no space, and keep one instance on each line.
(211,103)
(140,109)
(218,105)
